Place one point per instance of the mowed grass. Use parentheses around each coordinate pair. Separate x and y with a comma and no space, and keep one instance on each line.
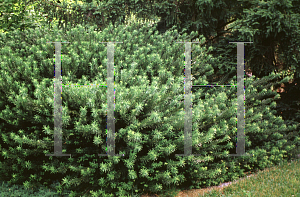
(282,180)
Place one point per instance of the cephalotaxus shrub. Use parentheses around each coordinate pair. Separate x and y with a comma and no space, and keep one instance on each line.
(149,114)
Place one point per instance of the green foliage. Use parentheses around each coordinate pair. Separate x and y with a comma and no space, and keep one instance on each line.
(15,190)
(17,14)
(149,73)
(70,13)
(273,26)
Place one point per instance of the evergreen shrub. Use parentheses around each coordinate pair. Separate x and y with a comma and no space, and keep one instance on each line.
(21,191)
(149,114)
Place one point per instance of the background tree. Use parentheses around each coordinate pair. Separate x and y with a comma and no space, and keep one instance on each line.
(19,14)
(273,26)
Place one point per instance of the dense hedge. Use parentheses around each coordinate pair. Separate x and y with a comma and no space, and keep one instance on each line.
(149,90)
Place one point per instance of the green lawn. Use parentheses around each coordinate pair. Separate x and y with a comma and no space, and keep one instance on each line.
(282,180)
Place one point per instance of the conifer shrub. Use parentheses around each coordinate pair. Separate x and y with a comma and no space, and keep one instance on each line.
(149,114)
(20,191)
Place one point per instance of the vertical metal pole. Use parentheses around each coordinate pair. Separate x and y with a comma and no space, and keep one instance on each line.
(110,101)
(58,103)
(240,144)
(187,102)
